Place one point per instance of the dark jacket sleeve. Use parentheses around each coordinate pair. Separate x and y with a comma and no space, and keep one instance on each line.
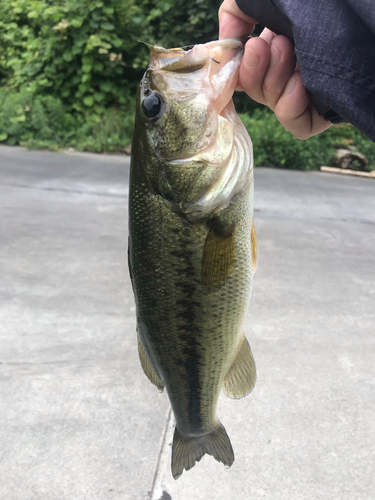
(335,48)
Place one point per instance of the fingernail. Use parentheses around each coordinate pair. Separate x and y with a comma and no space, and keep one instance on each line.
(290,85)
(275,57)
(251,60)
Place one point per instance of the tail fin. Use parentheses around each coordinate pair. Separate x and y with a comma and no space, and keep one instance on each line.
(187,451)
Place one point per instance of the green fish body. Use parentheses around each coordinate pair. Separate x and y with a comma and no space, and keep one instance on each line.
(192,244)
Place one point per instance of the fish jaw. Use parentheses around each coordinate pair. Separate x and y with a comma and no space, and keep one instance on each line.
(194,86)
(217,62)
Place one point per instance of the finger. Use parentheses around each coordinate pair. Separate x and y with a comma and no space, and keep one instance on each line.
(233,22)
(267,35)
(295,111)
(281,66)
(254,67)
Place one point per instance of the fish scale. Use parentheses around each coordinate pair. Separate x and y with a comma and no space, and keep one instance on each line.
(191,264)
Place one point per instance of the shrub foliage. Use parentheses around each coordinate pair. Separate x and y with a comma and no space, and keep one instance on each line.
(86,54)
(276,147)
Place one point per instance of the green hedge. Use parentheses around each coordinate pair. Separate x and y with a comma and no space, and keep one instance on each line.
(69,68)
(42,121)
(275,147)
(87,53)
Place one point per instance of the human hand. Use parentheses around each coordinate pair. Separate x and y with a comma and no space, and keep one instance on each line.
(269,75)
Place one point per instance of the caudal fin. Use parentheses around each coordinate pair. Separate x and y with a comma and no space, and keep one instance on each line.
(187,451)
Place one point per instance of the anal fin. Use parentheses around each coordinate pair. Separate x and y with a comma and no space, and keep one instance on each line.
(241,376)
(148,369)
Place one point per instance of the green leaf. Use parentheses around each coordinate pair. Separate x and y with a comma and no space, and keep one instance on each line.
(98,66)
(108,10)
(117,42)
(97,15)
(80,41)
(105,87)
(83,87)
(107,26)
(68,56)
(32,15)
(87,60)
(88,100)
(76,23)
(85,78)
(86,68)
(99,96)
(3,136)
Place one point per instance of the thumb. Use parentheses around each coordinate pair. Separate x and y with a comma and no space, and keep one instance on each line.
(233,22)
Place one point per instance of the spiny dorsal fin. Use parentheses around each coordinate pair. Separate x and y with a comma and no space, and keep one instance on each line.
(254,247)
(241,376)
(147,366)
(218,256)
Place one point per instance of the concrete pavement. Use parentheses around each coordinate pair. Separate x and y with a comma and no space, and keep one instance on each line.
(79,420)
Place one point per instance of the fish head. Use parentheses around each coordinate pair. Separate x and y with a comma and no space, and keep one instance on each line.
(182,94)
(183,113)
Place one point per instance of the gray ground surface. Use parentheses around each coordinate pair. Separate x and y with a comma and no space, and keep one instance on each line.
(79,420)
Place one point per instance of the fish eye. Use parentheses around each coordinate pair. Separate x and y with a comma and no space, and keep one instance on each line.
(151,105)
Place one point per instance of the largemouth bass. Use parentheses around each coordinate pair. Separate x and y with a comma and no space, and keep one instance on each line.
(192,245)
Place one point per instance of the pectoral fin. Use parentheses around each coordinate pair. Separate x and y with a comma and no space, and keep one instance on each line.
(241,376)
(254,247)
(147,366)
(218,256)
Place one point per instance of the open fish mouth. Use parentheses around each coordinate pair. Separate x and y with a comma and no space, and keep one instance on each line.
(193,57)
(190,91)
(219,60)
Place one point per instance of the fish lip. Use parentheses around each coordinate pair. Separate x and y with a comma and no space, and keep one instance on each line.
(229,43)
(162,59)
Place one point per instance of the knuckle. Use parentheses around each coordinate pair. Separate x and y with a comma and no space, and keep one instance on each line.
(293,126)
(271,94)
(272,89)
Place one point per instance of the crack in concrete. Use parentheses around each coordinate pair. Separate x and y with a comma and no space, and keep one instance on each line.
(157,492)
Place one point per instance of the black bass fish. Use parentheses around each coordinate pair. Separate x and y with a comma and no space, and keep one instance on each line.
(192,243)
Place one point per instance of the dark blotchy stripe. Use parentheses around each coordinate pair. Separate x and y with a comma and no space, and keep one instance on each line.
(189,333)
